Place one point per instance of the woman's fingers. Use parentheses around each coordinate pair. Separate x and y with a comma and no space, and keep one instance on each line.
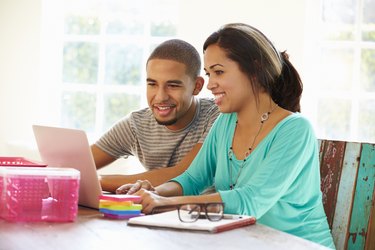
(149,200)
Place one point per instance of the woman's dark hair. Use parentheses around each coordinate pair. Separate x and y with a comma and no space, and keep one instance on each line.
(258,58)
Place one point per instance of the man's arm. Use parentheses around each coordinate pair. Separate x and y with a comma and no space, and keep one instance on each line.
(101,158)
(156,177)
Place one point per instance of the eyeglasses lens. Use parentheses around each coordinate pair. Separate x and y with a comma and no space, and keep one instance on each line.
(189,212)
(215,212)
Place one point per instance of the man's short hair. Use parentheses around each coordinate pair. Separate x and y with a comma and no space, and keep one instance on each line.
(179,51)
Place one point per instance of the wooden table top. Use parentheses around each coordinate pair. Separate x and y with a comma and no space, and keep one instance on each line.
(92,231)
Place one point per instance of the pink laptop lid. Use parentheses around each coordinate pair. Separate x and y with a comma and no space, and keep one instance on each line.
(69,148)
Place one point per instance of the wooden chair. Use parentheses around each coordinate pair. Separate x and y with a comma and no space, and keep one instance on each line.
(347,182)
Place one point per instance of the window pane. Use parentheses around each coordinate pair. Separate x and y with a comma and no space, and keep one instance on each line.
(81,25)
(369,35)
(80,62)
(339,18)
(336,69)
(117,106)
(366,121)
(123,64)
(369,11)
(164,18)
(368,69)
(165,28)
(125,17)
(368,20)
(339,11)
(333,117)
(78,110)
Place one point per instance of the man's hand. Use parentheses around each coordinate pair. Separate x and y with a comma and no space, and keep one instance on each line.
(132,188)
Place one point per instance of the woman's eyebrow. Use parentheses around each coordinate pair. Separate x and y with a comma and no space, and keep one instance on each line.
(214,65)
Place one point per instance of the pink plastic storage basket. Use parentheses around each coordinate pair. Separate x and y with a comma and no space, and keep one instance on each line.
(11,161)
(39,194)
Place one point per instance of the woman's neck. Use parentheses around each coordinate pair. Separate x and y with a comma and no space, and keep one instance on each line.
(252,112)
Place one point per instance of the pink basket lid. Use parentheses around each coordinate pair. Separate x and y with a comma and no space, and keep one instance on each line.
(11,161)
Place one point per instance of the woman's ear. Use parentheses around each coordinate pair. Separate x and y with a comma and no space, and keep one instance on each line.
(199,82)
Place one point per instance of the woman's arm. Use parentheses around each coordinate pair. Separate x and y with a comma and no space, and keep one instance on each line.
(150,200)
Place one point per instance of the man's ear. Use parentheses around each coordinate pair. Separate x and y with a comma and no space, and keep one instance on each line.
(199,82)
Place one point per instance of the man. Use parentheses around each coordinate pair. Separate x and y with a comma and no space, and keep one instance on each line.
(168,134)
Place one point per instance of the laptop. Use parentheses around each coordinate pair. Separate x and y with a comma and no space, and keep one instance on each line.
(69,148)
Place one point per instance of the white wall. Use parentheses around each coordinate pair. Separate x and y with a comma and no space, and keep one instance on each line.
(19,68)
(282,21)
(20,51)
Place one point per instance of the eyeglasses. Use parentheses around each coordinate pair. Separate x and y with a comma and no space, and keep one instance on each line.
(213,211)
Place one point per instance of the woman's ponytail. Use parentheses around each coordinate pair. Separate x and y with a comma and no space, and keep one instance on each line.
(288,88)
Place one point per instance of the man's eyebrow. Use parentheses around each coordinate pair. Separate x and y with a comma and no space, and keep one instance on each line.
(214,65)
(175,81)
(169,81)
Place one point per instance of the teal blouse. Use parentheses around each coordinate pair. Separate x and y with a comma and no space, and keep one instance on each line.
(279,183)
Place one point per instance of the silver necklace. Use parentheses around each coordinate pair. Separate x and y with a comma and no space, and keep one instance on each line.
(264,117)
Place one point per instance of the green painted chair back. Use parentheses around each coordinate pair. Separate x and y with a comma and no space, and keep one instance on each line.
(347,182)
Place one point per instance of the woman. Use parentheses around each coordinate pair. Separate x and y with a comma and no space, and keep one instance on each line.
(260,154)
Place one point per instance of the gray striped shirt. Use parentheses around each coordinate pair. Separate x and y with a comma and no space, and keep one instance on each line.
(156,146)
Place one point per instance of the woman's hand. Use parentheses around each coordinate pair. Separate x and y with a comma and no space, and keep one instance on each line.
(132,188)
(150,200)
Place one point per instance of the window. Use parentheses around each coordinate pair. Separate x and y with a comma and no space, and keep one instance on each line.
(105,45)
(340,69)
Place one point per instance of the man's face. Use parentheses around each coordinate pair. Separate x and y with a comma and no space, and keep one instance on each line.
(170,93)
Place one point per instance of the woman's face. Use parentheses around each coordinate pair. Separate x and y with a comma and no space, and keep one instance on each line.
(229,85)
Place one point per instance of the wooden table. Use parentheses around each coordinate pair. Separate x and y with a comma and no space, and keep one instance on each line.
(92,231)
